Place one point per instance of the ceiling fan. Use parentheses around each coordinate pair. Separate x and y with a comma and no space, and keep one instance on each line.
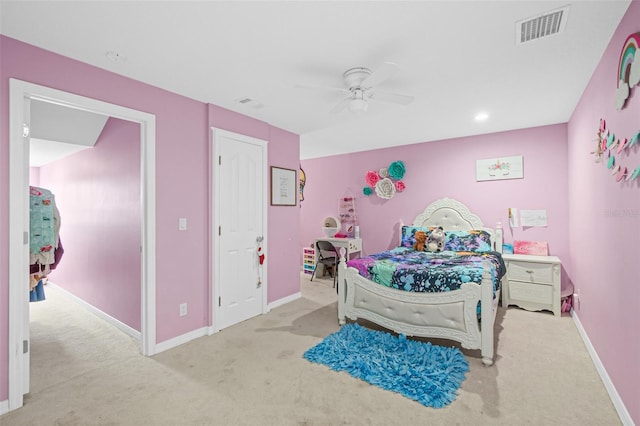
(360,88)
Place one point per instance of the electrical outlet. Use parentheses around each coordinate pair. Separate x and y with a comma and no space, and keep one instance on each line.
(576,300)
(182,224)
(183,309)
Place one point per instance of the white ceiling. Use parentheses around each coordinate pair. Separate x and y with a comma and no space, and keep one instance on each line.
(57,131)
(45,151)
(456,57)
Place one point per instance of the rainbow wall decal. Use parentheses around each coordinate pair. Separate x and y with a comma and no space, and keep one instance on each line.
(628,69)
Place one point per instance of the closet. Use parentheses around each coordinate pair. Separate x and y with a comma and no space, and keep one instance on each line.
(117,240)
(97,193)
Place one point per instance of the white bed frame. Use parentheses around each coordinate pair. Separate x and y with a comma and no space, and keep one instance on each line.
(449,315)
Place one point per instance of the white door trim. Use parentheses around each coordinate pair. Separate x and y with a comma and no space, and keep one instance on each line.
(19,92)
(215,220)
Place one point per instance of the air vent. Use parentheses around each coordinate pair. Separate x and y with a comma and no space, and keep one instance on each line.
(541,26)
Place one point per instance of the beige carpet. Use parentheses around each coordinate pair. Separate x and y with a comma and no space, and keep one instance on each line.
(86,372)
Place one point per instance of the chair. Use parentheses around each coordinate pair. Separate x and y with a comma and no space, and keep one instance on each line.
(328,261)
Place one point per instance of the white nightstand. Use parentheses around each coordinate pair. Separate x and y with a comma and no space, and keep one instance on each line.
(532,282)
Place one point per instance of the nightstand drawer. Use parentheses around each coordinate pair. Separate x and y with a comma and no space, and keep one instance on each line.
(535,293)
(531,272)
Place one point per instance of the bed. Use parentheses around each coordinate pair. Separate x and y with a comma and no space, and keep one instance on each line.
(466,314)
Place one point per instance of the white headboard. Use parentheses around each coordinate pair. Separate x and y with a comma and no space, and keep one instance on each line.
(452,215)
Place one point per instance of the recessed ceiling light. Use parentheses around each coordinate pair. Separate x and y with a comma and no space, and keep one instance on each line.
(114,56)
(481,116)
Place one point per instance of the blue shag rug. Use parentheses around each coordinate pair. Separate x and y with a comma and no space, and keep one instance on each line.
(420,371)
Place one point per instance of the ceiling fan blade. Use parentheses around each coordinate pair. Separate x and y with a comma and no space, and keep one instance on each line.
(395,98)
(322,88)
(382,73)
(340,106)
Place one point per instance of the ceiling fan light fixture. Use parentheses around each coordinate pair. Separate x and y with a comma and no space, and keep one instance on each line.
(360,83)
(358,106)
(358,103)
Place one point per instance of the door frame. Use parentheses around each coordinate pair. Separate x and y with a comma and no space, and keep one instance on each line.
(215,219)
(20,94)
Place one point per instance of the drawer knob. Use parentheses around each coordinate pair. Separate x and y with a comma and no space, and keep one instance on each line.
(529,271)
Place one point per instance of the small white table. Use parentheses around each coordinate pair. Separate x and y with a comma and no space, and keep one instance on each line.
(532,282)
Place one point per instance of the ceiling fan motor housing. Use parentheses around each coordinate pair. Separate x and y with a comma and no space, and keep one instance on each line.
(354,77)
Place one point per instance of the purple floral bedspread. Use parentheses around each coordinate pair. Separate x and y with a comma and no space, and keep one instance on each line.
(406,269)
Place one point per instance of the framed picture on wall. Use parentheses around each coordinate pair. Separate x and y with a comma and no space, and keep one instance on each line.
(499,168)
(283,187)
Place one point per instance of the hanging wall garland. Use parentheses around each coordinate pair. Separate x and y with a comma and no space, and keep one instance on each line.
(628,76)
(608,146)
(386,181)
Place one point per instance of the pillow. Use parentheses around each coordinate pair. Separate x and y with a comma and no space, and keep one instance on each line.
(474,240)
(409,235)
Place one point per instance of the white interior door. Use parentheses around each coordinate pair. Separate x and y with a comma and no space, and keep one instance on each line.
(240,219)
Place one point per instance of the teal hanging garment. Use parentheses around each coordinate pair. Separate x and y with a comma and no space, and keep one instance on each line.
(44,226)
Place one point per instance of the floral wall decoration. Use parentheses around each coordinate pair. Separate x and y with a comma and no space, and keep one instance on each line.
(386,181)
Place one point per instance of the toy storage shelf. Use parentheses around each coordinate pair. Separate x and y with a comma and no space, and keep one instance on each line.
(308,260)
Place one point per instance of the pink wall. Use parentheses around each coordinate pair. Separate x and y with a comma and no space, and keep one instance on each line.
(447,169)
(98,194)
(283,227)
(182,184)
(605,225)
(34,176)
(284,222)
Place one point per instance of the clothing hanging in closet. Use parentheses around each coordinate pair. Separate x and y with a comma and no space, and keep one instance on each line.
(45,249)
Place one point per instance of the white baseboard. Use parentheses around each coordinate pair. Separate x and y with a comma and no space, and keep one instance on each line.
(625,418)
(4,407)
(182,339)
(208,331)
(285,300)
(212,330)
(97,312)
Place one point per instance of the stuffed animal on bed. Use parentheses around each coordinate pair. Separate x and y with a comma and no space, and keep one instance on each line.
(436,239)
(421,239)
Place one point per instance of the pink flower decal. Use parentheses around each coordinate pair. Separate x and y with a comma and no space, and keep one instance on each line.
(386,181)
(385,188)
(396,170)
(372,178)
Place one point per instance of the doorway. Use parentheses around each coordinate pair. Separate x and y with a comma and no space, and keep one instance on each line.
(21,94)
(239,225)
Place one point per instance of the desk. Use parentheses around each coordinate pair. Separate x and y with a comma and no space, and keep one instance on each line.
(352,245)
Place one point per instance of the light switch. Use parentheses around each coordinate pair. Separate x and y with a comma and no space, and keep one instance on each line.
(182,224)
